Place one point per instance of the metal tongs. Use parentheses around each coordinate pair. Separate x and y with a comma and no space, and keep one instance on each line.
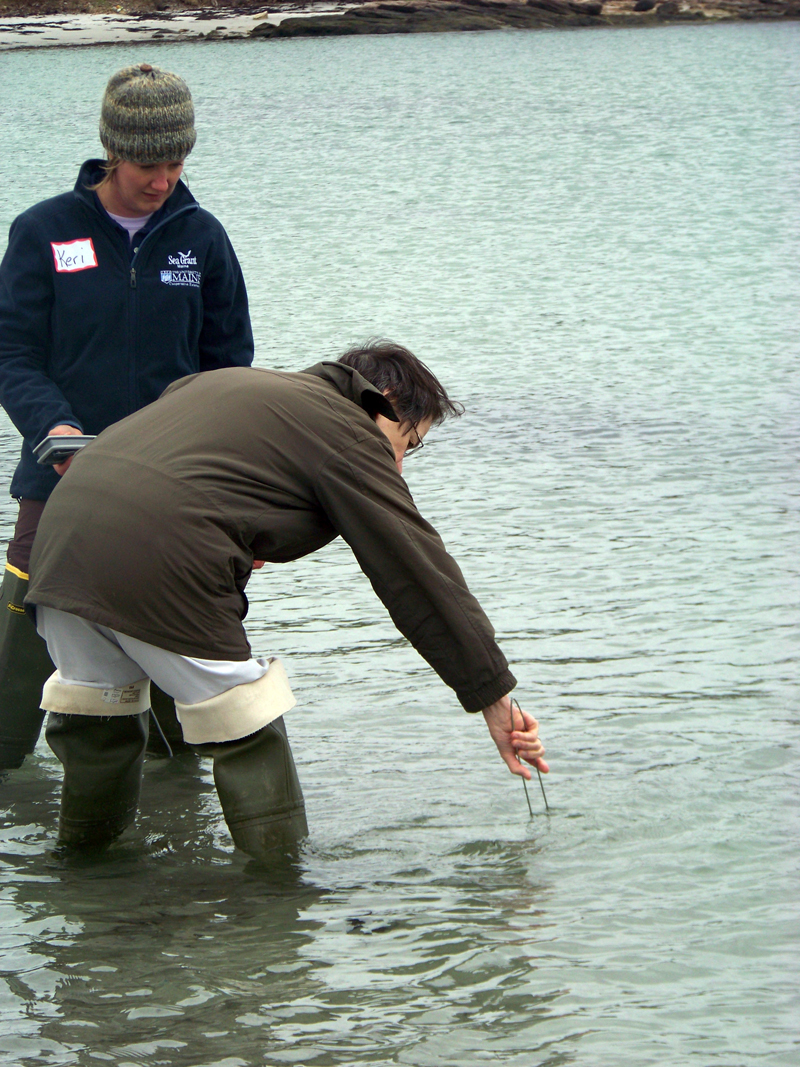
(515,703)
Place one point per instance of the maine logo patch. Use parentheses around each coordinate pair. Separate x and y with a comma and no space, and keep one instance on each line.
(189,278)
(74,255)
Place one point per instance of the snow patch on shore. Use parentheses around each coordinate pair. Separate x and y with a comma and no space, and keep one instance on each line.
(51,31)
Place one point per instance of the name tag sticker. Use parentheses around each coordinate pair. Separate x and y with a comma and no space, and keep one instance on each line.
(74,255)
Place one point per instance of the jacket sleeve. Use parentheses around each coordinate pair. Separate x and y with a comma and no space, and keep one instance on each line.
(420,584)
(33,401)
(226,337)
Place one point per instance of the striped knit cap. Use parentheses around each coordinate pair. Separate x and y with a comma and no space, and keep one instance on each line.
(147,116)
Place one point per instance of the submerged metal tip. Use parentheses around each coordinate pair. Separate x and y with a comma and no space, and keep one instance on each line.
(525,787)
(515,703)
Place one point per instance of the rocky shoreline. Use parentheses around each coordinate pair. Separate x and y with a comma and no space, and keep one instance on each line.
(413,16)
(32,23)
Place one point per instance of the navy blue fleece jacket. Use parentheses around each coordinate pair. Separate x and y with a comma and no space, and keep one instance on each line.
(92,328)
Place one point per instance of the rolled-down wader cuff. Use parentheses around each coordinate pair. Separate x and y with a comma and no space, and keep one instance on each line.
(67,699)
(240,711)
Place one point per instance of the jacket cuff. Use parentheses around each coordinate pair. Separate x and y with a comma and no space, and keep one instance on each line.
(72,421)
(477,699)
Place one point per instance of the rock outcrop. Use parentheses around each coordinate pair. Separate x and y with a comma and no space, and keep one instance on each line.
(428,16)
(296,18)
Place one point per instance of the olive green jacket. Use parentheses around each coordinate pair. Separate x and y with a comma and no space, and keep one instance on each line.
(154,529)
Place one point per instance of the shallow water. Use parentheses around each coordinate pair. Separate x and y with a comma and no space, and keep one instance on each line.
(592,238)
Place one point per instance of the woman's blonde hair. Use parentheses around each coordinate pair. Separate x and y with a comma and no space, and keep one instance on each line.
(109,167)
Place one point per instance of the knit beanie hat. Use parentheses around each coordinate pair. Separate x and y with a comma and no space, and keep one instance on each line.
(147,116)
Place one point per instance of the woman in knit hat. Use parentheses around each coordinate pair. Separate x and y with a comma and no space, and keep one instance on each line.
(147,130)
(108,294)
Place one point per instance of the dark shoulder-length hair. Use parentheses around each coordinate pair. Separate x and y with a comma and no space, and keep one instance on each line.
(415,393)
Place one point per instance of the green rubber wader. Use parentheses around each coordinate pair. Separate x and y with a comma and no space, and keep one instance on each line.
(259,792)
(24,668)
(102,758)
(165,726)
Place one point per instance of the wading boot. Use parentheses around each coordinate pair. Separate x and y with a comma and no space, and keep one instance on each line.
(24,668)
(259,792)
(102,758)
(166,735)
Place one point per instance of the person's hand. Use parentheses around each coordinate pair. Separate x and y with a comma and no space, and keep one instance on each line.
(258,564)
(64,431)
(516,734)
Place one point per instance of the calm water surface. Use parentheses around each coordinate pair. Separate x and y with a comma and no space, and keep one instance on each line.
(592,237)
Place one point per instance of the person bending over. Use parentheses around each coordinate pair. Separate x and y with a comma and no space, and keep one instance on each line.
(225,469)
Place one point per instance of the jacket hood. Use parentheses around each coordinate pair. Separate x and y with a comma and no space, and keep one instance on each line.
(92,172)
(355,387)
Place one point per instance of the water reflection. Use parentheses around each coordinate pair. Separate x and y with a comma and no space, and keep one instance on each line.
(200,953)
(167,930)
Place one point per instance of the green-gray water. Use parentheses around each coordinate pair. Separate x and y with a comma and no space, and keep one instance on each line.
(592,238)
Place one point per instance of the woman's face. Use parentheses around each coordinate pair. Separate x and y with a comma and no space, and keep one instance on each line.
(140,188)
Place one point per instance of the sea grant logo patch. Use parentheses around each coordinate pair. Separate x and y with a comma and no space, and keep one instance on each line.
(74,255)
(182,259)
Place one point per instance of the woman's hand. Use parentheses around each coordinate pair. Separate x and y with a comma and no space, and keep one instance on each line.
(64,431)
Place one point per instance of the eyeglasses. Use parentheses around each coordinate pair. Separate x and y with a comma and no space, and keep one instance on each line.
(417,446)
